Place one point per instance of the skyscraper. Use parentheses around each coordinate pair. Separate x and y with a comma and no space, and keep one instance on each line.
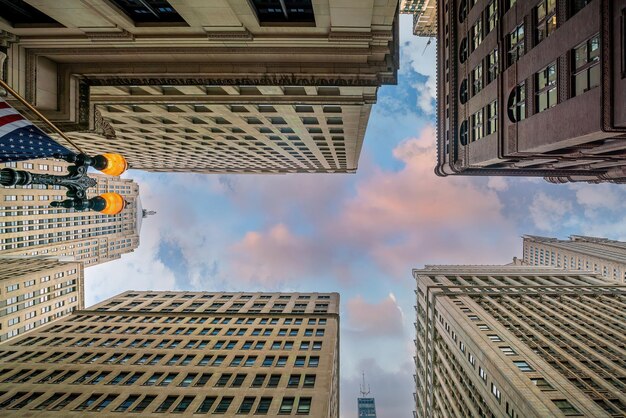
(30,227)
(531,88)
(366,404)
(219,86)
(179,352)
(600,255)
(424,16)
(519,341)
(35,291)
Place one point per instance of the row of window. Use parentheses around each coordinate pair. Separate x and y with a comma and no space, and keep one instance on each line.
(199,320)
(522,365)
(217,331)
(126,378)
(159,359)
(170,404)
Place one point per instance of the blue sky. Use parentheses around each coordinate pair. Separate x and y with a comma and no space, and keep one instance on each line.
(357,234)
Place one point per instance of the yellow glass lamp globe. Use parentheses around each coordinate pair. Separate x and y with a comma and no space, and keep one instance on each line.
(116,164)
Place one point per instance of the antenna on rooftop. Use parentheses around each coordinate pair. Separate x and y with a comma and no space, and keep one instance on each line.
(364,391)
(430,40)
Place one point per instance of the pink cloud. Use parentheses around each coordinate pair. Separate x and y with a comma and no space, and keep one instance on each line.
(383,318)
(277,256)
(403,217)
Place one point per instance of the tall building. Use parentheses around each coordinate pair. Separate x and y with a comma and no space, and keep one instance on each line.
(178,352)
(366,405)
(30,227)
(36,291)
(532,88)
(519,341)
(424,16)
(207,86)
(600,255)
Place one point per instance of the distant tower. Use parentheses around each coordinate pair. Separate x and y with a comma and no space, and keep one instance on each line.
(367,407)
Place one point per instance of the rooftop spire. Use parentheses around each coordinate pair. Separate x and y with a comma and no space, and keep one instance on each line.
(364,391)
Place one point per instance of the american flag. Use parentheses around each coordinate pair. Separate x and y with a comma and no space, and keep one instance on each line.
(21,140)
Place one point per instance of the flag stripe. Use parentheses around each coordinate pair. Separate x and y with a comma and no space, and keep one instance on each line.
(8,111)
(4,105)
(10,118)
(9,127)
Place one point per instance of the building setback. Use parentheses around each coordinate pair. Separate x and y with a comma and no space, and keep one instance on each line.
(519,341)
(35,291)
(532,88)
(424,16)
(30,227)
(600,255)
(179,352)
(258,86)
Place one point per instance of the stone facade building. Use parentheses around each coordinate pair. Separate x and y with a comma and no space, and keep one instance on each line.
(519,341)
(424,16)
(35,291)
(30,227)
(532,88)
(249,86)
(599,255)
(141,353)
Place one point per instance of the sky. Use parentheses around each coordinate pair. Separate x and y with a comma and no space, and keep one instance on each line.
(356,234)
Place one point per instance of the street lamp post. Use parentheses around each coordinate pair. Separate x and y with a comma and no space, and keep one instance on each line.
(76,182)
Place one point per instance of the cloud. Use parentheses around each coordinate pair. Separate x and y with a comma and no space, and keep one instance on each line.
(277,257)
(498,184)
(548,212)
(419,55)
(391,389)
(377,319)
(139,270)
(401,217)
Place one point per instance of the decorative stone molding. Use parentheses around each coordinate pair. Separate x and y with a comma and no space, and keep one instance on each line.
(7,38)
(111,36)
(101,126)
(265,80)
(244,35)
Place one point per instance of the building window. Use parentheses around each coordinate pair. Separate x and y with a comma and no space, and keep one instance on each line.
(476,33)
(286,406)
(477,126)
(586,74)
(545,88)
(523,366)
(463,52)
(463,133)
(508,351)
(246,405)
(542,384)
(462,11)
(463,92)
(496,392)
(276,12)
(577,5)
(566,407)
(545,19)
(492,117)
(482,374)
(222,407)
(304,406)
(517,103)
(477,79)
(492,66)
(515,45)
(492,16)
(149,11)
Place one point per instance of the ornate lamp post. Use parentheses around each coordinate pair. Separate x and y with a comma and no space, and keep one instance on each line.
(17,143)
(76,182)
